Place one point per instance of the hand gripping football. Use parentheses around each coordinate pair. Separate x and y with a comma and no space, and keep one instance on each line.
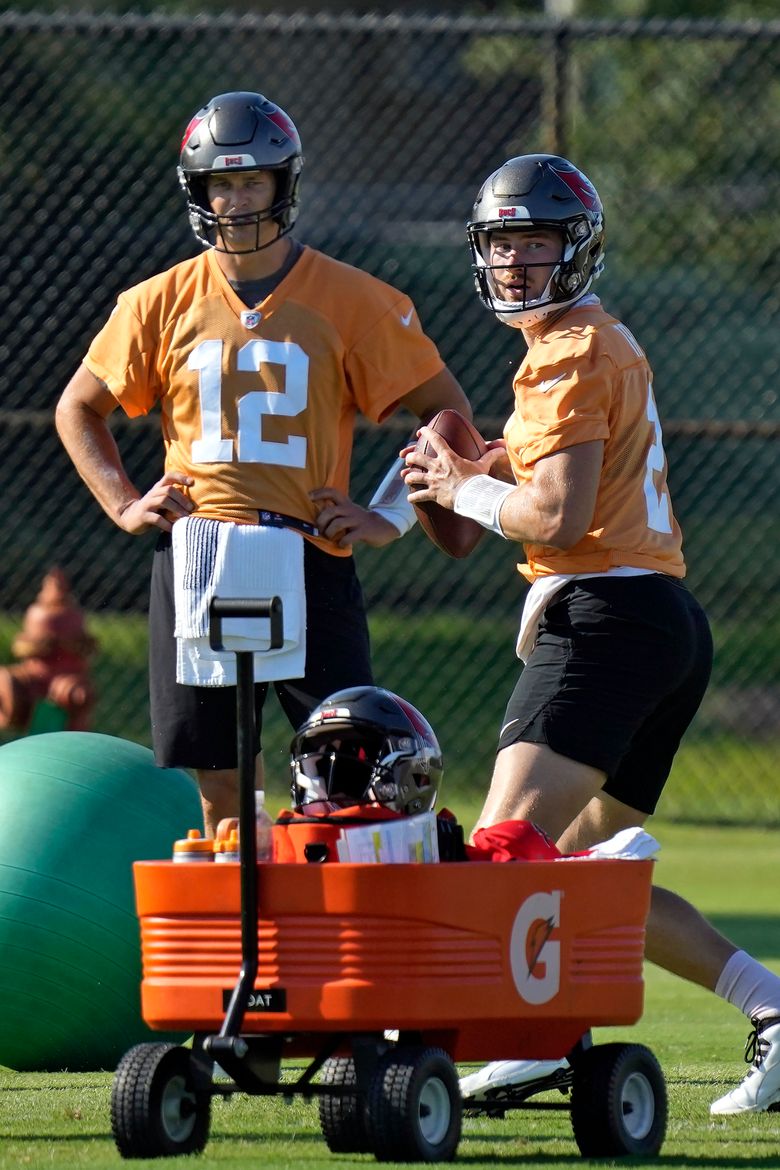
(457,536)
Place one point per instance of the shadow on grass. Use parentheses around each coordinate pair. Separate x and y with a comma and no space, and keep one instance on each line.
(759,934)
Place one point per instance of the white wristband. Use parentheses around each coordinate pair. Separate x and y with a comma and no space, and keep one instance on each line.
(480,498)
(389,500)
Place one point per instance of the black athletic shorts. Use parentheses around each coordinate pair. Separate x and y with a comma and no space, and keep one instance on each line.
(617,673)
(195,727)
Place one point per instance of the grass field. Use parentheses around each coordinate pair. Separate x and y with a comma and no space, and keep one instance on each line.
(61,1120)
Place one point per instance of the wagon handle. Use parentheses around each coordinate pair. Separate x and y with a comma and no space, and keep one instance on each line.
(267,607)
(222,607)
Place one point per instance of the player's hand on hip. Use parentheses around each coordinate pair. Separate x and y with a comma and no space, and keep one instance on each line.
(344,522)
(166,502)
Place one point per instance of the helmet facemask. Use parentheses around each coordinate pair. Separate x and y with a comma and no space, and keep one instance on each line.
(487,267)
(206,224)
(350,753)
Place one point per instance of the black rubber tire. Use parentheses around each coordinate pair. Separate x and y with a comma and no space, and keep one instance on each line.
(415,1107)
(343,1120)
(618,1102)
(153,1113)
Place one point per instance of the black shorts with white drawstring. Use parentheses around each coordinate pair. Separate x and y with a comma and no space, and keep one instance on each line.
(617,673)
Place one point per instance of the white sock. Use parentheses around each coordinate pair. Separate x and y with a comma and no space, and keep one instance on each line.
(749,986)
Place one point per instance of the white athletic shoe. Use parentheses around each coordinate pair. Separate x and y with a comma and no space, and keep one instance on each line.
(486,1083)
(760,1089)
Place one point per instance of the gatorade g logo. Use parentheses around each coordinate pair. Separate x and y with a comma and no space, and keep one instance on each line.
(535,958)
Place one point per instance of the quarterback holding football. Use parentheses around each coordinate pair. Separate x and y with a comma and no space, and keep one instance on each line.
(617,650)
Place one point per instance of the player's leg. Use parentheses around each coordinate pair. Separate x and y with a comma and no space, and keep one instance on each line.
(600,819)
(679,938)
(531,782)
(192,727)
(606,651)
(682,941)
(555,748)
(219,793)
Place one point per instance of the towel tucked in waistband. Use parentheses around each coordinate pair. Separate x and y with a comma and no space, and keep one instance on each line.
(217,558)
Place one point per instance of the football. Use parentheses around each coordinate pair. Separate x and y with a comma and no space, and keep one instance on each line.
(457,536)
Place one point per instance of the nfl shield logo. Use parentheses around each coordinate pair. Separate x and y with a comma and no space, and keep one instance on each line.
(250,318)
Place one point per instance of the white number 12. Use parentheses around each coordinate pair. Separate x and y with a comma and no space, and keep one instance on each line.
(206,358)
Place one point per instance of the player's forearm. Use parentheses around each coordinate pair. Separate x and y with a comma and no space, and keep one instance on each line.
(532,517)
(515,511)
(555,507)
(389,501)
(95,455)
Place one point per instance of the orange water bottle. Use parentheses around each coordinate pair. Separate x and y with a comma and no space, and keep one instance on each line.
(226,827)
(193,847)
(227,849)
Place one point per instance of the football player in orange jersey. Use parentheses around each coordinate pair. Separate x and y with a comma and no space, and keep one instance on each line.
(617,650)
(260,352)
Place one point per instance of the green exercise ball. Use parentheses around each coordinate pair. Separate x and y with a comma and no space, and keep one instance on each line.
(76,810)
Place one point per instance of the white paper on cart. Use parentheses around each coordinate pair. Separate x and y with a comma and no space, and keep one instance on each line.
(413,839)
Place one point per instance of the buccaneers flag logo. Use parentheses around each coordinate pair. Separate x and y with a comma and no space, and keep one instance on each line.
(580,186)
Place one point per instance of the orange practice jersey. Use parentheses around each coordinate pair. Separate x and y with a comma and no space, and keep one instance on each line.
(261,411)
(586,378)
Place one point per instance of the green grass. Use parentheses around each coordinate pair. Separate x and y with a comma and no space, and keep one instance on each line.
(61,1120)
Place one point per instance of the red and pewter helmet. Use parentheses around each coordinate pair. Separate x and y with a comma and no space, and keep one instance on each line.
(545,192)
(365,745)
(240,132)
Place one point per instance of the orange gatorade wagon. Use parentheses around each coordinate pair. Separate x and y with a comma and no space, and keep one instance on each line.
(489,961)
(377,975)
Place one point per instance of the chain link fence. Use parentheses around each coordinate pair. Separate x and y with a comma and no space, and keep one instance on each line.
(401,117)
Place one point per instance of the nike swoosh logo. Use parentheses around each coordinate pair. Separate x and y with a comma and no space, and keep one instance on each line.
(543,387)
(406,318)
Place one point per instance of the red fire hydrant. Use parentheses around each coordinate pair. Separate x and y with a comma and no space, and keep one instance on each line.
(54,649)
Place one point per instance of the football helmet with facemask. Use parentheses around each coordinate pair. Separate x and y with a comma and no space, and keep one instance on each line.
(543,192)
(366,745)
(240,132)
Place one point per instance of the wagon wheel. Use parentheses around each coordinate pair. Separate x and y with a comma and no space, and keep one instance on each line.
(153,1111)
(343,1118)
(414,1106)
(618,1101)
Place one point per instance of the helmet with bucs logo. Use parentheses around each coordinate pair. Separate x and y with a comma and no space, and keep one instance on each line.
(366,745)
(547,193)
(240,132)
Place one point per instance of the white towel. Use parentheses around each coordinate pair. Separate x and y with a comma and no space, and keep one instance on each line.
(627,845)
(215,558)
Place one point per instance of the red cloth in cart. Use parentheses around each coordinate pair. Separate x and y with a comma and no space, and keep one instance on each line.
(512,841)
